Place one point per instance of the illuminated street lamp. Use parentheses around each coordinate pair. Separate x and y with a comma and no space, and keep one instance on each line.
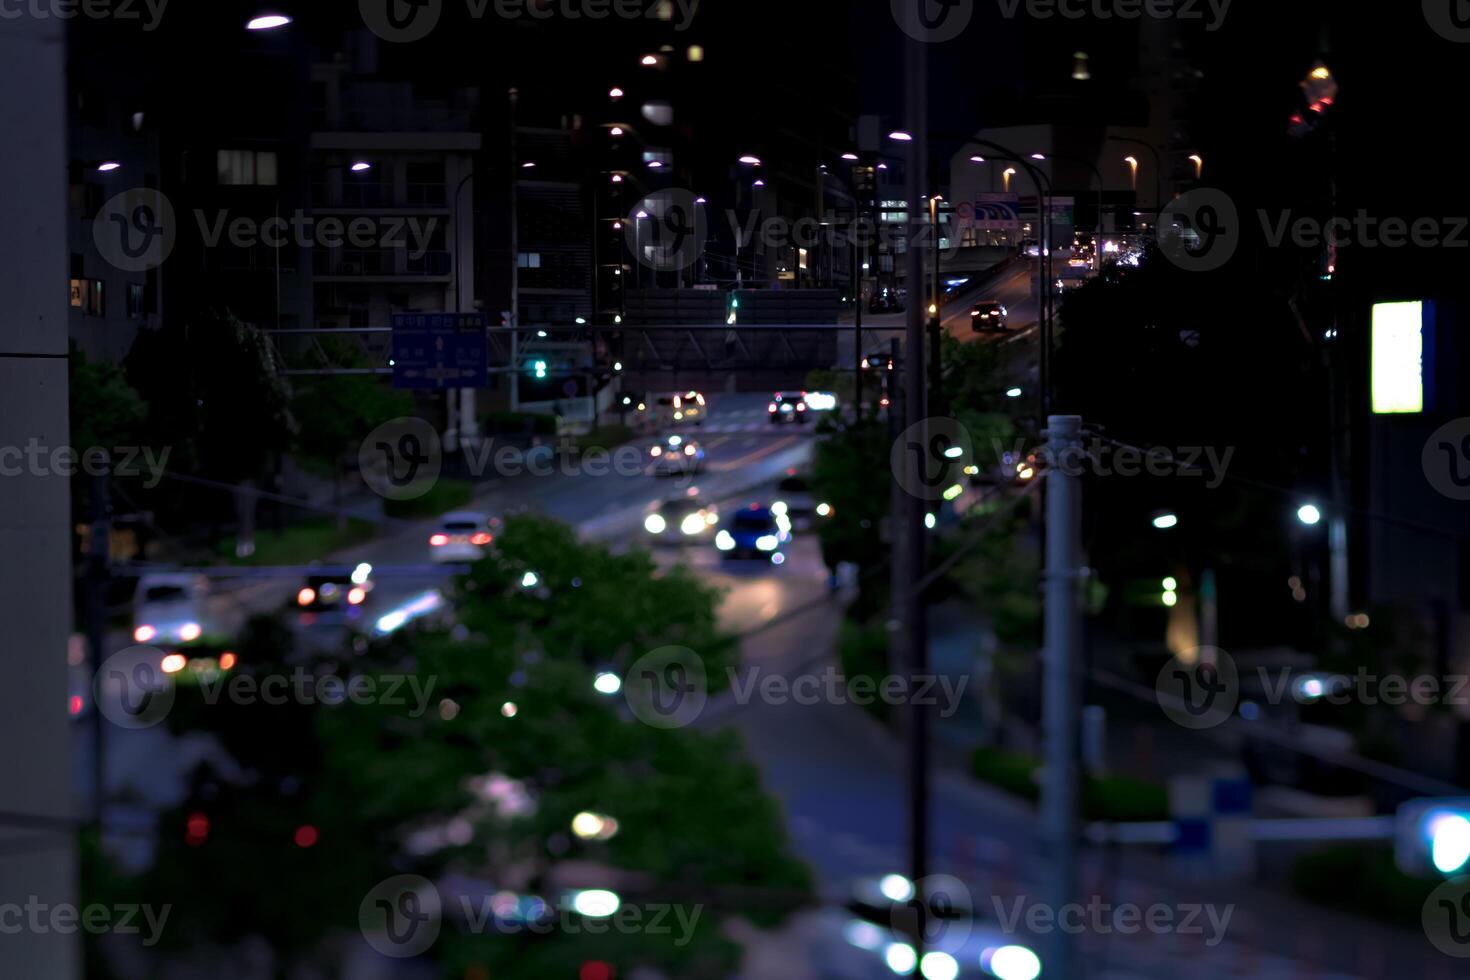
(1133,171)
(1199,165)
(1166,521)
(1006,176)
(267,22)
(1309,514)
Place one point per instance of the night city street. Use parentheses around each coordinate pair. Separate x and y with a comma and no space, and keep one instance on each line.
(728,490)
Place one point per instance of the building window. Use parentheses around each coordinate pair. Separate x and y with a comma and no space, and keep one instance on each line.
(246,167)
(137,305)
(529,260)
(86,295)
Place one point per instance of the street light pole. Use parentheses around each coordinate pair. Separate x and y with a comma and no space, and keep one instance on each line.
(910,598)
(515,262)
(1061,679)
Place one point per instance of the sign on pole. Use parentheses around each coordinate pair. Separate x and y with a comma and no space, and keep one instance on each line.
(435,351)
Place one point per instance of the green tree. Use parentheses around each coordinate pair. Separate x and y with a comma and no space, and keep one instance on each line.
(695,826)
(334,413)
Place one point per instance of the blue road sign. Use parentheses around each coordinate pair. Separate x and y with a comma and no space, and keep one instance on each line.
(439,350)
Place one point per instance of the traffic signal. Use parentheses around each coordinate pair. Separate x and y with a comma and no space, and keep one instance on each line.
(1432,836)
(538,370)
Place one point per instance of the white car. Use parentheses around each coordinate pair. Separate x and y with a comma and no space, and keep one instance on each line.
(462,536)
(166,607)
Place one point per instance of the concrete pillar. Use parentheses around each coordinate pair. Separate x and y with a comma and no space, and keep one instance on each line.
(35,573)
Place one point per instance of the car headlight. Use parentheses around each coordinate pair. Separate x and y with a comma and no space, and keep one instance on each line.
(654,524)
(724,541)
(692,524)
(656,451)
(766,542)
(190,632)
(1011,963)
(779,508)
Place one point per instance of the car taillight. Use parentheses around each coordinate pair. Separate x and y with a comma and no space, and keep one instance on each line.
(306,597)
(688,450)
(355,595)
(438,540)
(771,407)
(144,633)
(481,538)
(801,406)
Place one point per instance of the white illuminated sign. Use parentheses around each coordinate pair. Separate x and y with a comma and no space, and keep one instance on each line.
(1398,358)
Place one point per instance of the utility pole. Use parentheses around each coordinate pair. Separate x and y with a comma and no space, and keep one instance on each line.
(515,261)
(1062,676)
(857,333)
(99,574)
(910,600)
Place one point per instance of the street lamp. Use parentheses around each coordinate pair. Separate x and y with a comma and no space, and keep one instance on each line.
(1199,165)
(901,136)
(1006,176)
(267,22)
(1309,514)
(358,166)
(107,166)
(1132,162)
(751,160)
(1166,521)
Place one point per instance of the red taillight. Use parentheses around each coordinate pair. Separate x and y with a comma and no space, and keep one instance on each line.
(438,540)
(74,704)
(355,595)
(771,407)
(306,596)
(801,406)
(482,538)
(196,829)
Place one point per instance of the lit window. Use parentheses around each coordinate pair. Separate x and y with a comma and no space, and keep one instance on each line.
(529,260)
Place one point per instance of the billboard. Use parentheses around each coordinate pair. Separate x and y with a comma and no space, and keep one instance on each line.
(1398,358)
